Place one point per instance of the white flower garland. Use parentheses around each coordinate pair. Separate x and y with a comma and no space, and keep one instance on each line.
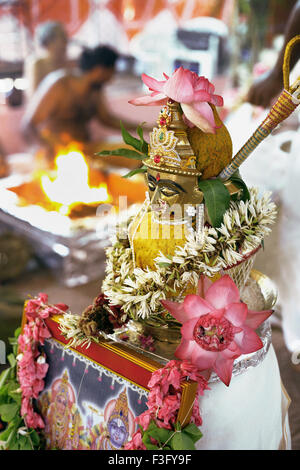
(139,291)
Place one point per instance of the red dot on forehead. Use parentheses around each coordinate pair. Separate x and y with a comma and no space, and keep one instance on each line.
(157,177)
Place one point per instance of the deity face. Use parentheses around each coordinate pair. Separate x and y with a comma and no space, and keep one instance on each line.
(118,432)
(61,404)
(171,194)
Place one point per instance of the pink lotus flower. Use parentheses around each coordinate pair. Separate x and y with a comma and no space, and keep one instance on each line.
(217,327)
(191,91)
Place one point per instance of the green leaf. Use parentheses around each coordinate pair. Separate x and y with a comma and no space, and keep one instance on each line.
(217,199)
(8,411)
(35,438)
(181,441)
(144,146)
(193,432)
(17,332)
(25,443)
(160,434)
(146,437)
(4,376)
(10,438)
(16,396)
(129,139)
(4,435)
(136,171)
(12,360)
(238,181)
(122,153)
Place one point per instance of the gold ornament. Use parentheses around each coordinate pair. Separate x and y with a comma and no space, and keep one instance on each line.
(120,410)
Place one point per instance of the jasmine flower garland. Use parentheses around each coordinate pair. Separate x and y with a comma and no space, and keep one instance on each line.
(140,291)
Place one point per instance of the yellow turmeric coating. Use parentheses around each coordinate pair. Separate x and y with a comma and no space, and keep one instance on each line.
(151,238)
(213,151)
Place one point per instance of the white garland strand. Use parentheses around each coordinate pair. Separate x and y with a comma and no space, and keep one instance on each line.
(139,291)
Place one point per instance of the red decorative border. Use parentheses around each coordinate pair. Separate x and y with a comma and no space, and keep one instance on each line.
(121,360)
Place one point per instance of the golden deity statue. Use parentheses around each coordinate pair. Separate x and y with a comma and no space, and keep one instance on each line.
(178,157)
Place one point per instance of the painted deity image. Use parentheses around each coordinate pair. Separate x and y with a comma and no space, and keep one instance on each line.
(64,428)
(78,420)
(117,427)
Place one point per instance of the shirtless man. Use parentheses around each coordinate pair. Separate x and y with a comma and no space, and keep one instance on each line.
(64,104)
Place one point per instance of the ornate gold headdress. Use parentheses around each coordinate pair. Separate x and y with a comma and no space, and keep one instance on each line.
(120,410)
(63,388)
(169,148)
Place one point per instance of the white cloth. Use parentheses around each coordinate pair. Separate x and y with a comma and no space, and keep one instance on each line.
(289,237)
(250,414)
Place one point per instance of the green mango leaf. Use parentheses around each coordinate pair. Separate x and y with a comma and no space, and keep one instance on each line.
(193,432)
(216,198)
(8,411)
(181,441)
(136,171)
(122,153)
(238,181)
(130,140)
(144,146)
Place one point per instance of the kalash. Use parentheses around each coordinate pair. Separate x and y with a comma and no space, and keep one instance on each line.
(191,222)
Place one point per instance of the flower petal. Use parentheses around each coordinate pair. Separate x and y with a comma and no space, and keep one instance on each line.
(248,341)
(152,83)
(223,292)
(232,352)
(185,349)
(176,309)
(202,95)
(195,306)
(201,115)
(149,100)
(179,86)
(187,329)
(203,285)
(216,100)
(236,313)
(223,368)
(254,319)
(203,359)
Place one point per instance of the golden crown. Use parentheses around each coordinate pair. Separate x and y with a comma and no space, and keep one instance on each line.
(121,409)
(169,148)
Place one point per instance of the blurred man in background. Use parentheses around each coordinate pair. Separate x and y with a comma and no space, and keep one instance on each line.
(64,104)
(53,39)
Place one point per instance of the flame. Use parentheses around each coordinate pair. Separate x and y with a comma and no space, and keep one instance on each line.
(71,186)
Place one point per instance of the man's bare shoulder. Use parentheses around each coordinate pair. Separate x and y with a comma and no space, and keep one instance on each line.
(58,79)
